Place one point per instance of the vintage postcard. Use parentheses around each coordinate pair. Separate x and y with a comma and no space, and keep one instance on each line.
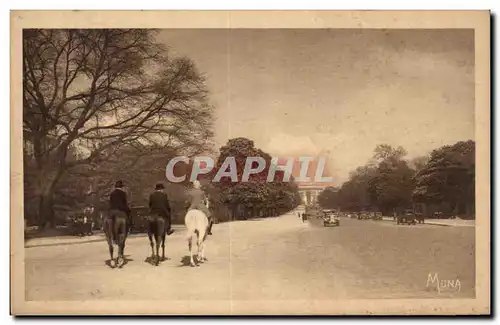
(250,163)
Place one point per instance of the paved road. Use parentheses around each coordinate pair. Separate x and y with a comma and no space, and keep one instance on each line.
(270,259)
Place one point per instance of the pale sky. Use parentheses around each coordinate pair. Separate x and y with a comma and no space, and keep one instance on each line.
(336,92)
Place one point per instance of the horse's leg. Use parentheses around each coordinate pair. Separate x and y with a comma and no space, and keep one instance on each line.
(203,237)
(199,240)
(163,236)
(159,239)
(150,236)
(190,244)
(122,233)
(110,247)
(108,232)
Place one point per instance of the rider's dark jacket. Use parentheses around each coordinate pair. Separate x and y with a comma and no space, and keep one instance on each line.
(118,201)
(158,203)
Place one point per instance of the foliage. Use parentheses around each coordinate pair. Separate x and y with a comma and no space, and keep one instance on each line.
(449,177)
(257,193)
(329,198)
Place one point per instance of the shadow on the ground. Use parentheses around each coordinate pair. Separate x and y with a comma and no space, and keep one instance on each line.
(150,260)
(185,261)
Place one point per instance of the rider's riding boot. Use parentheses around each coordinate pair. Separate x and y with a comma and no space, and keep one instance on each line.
(170,231)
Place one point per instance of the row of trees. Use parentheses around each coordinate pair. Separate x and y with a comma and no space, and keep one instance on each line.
(443,181)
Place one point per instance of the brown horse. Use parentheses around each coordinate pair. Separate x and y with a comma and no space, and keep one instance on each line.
(116,229)
(157,230)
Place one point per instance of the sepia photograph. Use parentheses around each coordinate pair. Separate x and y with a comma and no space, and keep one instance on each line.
(250,163)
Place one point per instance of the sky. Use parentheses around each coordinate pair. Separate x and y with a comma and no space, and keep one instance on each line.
(335,92)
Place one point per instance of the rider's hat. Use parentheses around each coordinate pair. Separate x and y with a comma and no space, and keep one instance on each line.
(159,186)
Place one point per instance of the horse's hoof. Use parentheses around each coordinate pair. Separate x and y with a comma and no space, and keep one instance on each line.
(120,262)
(112,264)
(192,264)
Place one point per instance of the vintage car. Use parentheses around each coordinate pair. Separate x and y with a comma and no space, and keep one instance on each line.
(327,213)
(364,215)
(332,220)
(377,216)
(408,217)
(419,217)
(81,226)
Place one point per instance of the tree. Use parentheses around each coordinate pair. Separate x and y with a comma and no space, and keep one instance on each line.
(449,177)
(329,198)
(353,194)
(256,196)
(384,183)
(96,90)
(418,163)
(386,151)
(392,185)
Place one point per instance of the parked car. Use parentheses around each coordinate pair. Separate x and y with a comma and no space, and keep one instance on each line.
(377,216)
(81,226)
(363,215)
(408,217)
(332,221)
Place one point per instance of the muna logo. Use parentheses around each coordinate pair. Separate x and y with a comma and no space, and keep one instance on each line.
(441,285)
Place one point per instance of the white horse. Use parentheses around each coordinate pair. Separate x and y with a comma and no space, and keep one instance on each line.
(196,223)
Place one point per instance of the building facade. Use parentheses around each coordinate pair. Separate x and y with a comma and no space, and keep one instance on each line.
(309,192)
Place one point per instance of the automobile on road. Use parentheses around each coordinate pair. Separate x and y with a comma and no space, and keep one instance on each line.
(364,215)
(332,221)
(408,217)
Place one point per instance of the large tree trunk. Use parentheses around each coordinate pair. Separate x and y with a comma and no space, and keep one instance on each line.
(46,185)
(46,210)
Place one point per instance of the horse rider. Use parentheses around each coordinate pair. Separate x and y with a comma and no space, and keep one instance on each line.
(159,205)
(198,201)
(118,204)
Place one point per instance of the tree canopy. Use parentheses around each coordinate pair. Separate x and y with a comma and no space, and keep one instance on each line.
(257,193)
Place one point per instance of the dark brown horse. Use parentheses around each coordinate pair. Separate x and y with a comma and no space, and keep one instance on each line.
(157,231)
(116,229)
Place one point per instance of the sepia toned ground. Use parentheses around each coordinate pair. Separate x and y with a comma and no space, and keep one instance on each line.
(267,259)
